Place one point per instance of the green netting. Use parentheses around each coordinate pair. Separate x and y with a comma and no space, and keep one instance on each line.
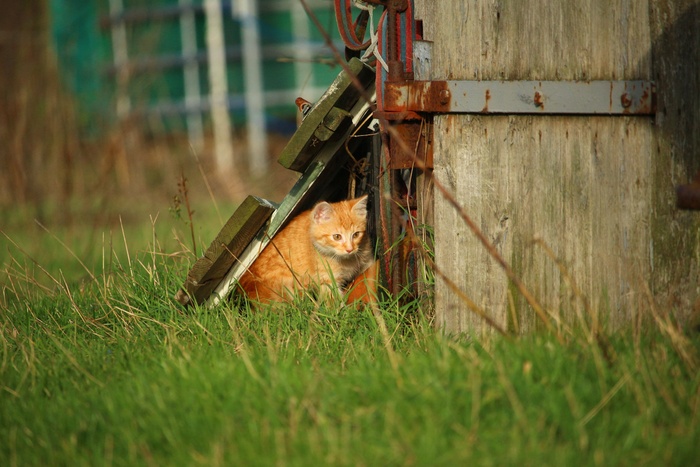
(83,44)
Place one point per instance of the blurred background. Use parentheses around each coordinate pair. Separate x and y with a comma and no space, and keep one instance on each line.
(115,112)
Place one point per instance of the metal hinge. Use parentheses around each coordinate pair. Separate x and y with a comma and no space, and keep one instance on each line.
(522,97)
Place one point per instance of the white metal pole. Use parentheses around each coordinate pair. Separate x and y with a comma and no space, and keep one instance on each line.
(193,101)
(121,59)
(303,70)
(247,12)
(218,86)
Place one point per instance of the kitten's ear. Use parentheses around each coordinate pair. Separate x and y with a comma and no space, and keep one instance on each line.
(322,213)
(360,207)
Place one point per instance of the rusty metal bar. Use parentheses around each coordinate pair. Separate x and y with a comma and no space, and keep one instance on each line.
(522,97)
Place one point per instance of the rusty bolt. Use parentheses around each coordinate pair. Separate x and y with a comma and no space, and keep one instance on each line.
(538,99)
(625,100)
(444,96)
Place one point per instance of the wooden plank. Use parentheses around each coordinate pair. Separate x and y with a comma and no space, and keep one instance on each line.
(324,120)
(579,184)
(210,269)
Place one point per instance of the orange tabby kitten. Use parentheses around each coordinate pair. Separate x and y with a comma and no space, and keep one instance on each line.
(325,247)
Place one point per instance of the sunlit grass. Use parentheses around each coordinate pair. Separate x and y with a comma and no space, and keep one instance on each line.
(34,255)
(110,370)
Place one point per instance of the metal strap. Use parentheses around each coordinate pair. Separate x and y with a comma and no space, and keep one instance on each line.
(523,97)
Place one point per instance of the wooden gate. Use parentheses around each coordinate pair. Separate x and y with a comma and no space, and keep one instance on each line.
(581,207)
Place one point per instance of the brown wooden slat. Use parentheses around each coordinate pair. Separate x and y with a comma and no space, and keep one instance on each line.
(211,268)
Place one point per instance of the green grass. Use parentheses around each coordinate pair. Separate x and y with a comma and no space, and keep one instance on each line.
(110,371)
(96,240)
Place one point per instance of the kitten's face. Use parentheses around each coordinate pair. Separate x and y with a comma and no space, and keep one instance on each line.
(338,229)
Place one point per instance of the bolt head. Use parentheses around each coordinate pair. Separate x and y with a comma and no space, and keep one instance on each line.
(444,96)
(538,99)
(625,100)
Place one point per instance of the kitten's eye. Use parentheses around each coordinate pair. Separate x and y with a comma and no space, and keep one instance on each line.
(356,235)
(337,237)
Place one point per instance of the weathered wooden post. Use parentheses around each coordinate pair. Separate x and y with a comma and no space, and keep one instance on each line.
(598,191)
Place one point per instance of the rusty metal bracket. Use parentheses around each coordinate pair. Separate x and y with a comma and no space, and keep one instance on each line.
(522,97)
(416,133)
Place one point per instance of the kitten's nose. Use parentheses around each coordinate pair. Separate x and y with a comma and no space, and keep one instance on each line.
(349,248)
